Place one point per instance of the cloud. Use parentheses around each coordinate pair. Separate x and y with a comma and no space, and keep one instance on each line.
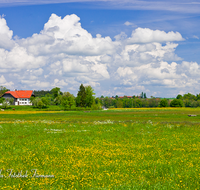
(64,54)
(184,6)
(67,36)
(18,58)
(35,84)
(74,66)
(3,82)
(146,35)
(38,72)
(59,83)
(6,34)
(127,23)
(101,69)
(196,37)
(166,76)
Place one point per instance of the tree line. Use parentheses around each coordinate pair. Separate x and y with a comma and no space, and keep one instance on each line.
(186,100)
(86,99)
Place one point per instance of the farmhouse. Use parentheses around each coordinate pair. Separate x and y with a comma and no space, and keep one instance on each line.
(21,97)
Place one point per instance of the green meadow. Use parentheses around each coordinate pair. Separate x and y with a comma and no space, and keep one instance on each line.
(144,148)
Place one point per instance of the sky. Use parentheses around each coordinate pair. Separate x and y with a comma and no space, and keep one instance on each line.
(118,47)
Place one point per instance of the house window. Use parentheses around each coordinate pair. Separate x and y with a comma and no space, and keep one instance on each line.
(25,102)
(25,99)
(22,99)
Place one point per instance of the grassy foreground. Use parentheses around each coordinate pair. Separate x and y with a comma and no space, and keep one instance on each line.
(114,149)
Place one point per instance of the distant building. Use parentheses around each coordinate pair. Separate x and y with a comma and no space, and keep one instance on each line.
(125,97)
(21,97)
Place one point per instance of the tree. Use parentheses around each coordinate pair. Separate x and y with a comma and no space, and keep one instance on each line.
(2,100)
(5,104)
(163,103)
(67,100)
(198,96)
(58,100)
(49,97)
(89,96)
(32,99)
(35,101)
(188,103)
(179,96)
(11,100)
(119,104)
(145,103)
(96,104)
(41,93)
(55,91)
(154,102)
(145,96)
(45,101)
(40,104)
(176,103)
(107,102)
(142,95)
(65,103)
(71,101)
(138,103)
(189,96)
(3,90)
(81,97)
(68,94)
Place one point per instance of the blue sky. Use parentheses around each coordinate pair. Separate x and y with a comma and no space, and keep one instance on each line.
(117,47)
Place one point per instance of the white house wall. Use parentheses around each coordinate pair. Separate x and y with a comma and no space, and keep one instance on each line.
(23,102)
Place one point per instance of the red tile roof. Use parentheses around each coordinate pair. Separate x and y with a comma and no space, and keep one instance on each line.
(20,93)
(125,96)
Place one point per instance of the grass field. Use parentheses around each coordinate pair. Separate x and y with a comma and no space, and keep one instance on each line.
(114,149)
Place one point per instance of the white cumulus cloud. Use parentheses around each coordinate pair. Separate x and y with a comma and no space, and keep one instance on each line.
(3,82)
(146,35)
(5,35)
(64,54)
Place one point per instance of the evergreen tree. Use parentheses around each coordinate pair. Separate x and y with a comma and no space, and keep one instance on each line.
(142,95)
(81,97)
